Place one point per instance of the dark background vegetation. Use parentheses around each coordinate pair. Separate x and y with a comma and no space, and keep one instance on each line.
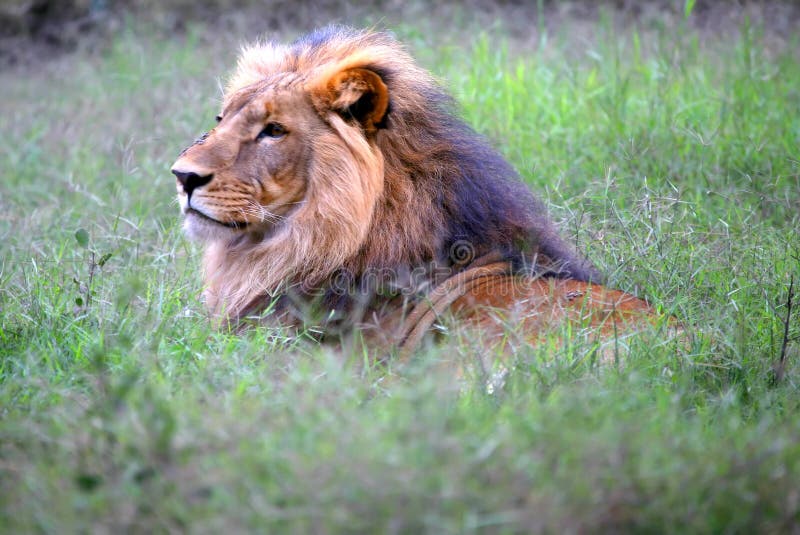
(33,29)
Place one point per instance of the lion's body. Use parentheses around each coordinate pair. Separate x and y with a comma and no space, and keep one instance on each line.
(340,174)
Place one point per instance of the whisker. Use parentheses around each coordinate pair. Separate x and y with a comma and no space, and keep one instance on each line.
(262,213)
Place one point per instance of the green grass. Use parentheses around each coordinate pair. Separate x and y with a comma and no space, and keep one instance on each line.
(670,158)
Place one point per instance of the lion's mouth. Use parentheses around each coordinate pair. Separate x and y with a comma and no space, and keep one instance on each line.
(236,225)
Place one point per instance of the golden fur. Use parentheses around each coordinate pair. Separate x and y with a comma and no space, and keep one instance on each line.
(337,158)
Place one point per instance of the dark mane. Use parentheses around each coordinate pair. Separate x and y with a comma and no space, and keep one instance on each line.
(478,197)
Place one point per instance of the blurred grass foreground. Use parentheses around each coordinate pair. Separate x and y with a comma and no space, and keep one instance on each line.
(665,139)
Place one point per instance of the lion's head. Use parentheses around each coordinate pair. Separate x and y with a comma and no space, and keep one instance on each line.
(338,153)
(274,136)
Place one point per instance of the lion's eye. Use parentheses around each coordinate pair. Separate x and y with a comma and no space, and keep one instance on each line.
(271,130)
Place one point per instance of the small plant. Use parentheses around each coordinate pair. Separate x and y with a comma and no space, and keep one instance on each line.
(779,368)
(95,261)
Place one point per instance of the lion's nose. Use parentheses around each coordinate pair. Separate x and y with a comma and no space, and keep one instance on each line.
(191,180)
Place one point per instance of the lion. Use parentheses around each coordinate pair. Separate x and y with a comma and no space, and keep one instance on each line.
(340,179)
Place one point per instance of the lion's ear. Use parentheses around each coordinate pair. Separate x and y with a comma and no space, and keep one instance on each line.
(357,93)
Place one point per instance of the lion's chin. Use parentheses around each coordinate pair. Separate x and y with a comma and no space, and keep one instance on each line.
(203,229)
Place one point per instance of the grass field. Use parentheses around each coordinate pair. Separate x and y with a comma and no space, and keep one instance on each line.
(670,157)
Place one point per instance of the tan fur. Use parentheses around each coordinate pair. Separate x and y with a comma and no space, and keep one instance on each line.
(335,214)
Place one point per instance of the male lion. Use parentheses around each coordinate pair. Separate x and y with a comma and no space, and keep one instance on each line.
(339,176)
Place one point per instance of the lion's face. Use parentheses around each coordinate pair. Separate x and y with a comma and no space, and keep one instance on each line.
(274,137)
(247,174)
